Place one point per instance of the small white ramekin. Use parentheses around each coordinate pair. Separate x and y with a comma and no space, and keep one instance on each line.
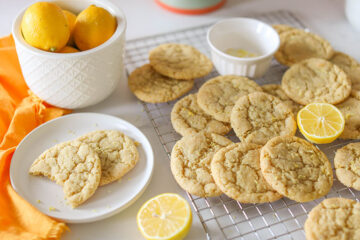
(74,80)
(244,33)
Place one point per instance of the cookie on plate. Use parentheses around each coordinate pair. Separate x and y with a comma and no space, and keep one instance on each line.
(281,28)
(190,162)
(258,117)
(350,109)
(316,80)
(180,61)
(295,168)
(276,90)
(150,86)
(188,118)
(334,218)
(236,171)
(351,67)
(73,165)
(218,95)
(117,152)
(297,45)
(347,165)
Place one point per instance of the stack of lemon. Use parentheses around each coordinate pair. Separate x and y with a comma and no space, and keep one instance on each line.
(46,26)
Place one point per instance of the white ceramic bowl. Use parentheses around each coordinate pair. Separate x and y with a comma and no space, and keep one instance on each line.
(74,80)
(352,9)
(242,33)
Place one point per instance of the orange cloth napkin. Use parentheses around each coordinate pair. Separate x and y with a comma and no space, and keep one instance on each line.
(20,112)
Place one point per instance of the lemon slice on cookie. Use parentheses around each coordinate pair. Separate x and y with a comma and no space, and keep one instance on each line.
(320,122)
(164,217)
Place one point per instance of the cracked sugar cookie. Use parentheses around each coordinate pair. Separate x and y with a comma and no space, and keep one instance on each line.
(281,28)
(316,80)
(335,219)
(180,61)
(190,162)
(258,117)
(236,171)
(350,109)
(276,91)
(150,86)
(218,95)
(73,165)
(188,118)
(347,165)
(351,67)
(295,168)
(297,45)
(117,152)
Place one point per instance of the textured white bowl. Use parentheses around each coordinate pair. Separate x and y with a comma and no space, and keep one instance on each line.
(74,80)
(244,33)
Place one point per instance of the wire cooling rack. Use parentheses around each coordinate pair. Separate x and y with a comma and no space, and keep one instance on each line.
(222,217)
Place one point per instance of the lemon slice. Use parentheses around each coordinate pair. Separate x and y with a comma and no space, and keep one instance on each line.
(320,122)
(166,216)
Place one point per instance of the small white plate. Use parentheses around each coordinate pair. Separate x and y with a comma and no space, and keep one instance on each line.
(107,200)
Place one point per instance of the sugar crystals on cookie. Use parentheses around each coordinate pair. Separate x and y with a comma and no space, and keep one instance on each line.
(188,118)
(347,165)
(150,86)
(297,45)
(180,61)
(190,162)
(258,117)
(295,168)
(73,165)
(218,95)
(316,80)
(236,170)
(334,218)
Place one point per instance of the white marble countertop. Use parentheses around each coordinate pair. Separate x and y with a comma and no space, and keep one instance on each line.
(145,18)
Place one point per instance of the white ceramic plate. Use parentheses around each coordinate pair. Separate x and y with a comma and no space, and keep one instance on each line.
(107,200)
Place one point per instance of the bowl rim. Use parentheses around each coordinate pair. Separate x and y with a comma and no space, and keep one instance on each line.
(108,5)
(239,59)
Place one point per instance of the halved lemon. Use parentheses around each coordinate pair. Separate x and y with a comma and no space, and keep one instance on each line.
(320,122)
(164,217)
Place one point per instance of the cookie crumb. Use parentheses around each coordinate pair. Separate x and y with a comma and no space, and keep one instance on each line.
(136,143)
(51,209)
(38,201)
(71,132)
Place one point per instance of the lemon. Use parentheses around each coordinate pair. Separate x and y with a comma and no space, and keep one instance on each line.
(93,26)
(45,26)
(320,122)
(71,20)
(68,49)
(164,217)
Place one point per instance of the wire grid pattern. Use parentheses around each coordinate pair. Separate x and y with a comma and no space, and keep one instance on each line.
(222,217)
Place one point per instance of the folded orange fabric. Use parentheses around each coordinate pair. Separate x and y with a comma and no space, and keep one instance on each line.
(20,112)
